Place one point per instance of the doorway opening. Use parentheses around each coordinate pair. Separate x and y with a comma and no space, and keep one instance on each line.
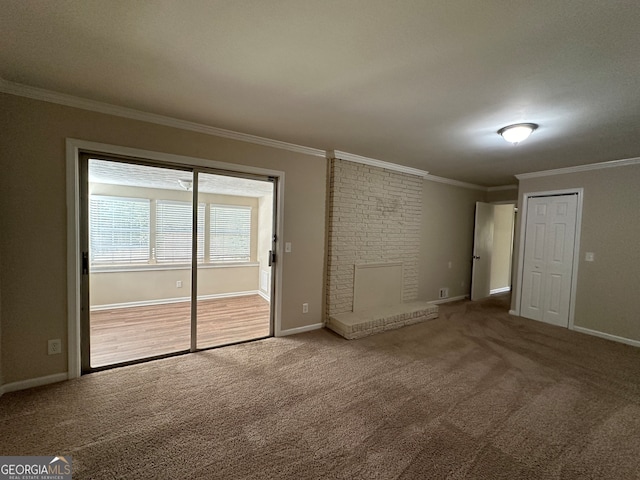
(175,259)
(492,249)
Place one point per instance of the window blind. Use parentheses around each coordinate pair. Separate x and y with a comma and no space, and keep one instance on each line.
(229,233)
(118,230)
(173,231)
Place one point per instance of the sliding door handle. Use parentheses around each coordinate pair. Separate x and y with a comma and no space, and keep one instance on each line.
(85,263)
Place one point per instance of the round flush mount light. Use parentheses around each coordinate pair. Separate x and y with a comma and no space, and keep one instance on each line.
(517,132)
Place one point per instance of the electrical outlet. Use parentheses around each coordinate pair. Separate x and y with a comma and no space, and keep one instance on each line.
(305,308)
(54,346)
(179,284)
(443,293)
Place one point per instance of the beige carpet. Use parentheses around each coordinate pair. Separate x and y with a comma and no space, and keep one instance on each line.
(475,393)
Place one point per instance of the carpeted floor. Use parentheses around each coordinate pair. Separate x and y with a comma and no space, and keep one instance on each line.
(474,394)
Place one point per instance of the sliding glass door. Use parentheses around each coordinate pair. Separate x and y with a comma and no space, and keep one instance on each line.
(234,272)
(174,260)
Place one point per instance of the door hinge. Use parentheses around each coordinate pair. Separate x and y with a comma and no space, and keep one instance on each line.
(272,257)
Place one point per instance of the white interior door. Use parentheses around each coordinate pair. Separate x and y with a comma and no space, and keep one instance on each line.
(482,247)
(548,258)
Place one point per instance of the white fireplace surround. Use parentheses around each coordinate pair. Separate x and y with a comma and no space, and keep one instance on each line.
(374,233)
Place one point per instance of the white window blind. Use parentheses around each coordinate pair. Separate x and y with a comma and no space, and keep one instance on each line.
(118,230)
(229,233)
(173,231)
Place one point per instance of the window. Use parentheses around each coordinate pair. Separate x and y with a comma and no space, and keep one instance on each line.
(173,232)
(119,230)
(142,231)
(229,233)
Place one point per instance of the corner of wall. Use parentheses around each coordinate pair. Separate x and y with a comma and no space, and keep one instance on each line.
(448,212)
(327,222)
(502,196)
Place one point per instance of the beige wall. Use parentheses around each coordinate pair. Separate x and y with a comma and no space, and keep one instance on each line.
(448,214)
(502,196)
(33,238)
(607,298)
(113,288)
(502,246)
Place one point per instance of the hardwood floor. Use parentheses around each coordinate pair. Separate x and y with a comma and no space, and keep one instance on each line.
(125,334)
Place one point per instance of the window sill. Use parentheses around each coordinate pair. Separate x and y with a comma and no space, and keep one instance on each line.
(172,266)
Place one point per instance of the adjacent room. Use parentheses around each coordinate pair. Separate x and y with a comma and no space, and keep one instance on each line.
(299,239)
(139,221)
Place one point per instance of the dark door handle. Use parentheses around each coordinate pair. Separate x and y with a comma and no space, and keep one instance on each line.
(85,263)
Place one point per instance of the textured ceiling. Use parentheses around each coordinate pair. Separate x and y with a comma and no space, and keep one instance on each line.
(131,175)
(420,83)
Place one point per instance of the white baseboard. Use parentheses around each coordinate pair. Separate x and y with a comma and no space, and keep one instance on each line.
(499,290)
(293,331)
(447,300)
(163,301)
(608,336)
(34,382)
(515,313)
(264,295)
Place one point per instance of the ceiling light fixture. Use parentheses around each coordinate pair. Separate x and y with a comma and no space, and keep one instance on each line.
(186,184)
(517,132)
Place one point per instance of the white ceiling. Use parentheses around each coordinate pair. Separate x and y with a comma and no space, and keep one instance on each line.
(131,175)
(421,83)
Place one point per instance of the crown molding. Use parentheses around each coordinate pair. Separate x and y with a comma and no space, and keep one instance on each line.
(331,154)
(455,183)
(36,93)
(502,187)
(109,109)
(580,168)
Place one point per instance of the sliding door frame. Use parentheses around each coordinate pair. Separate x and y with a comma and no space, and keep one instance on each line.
(85,313)
(74,149)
